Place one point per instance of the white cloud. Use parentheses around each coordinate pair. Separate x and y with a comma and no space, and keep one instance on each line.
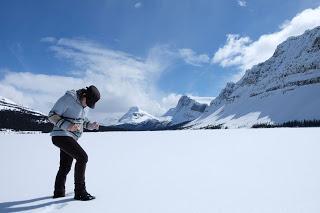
(137,5)
(12,93)
(242,3)
(37,91)
(124,80)
(17,50)
(170,100)
(242,52)
(48,39)
(232,52)
(191,57)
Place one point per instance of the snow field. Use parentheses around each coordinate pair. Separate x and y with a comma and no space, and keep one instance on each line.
(225,171)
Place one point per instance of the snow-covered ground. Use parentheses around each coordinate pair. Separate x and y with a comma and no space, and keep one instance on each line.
(208,171)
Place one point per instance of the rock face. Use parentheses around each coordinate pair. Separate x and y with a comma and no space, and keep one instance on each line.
(186,110)
(283,88)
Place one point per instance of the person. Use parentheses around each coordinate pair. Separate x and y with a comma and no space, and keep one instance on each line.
(69,119)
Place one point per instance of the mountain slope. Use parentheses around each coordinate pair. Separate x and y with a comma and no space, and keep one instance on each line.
(283,88)
(18,117)
(186,110)
(7,104)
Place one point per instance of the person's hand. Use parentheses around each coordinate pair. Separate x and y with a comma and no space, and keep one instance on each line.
(95,125)
(74,127)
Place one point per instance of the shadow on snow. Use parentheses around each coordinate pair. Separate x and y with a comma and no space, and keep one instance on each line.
(10,206)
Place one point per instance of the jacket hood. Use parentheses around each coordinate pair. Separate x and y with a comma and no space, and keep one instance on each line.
(74,95)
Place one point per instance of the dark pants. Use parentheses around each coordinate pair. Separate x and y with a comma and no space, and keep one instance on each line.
(69,149)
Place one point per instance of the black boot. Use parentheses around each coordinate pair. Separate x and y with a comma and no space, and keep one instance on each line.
(80,193)
(83,196)
(57,194)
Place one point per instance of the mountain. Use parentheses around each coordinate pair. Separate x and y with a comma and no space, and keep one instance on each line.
(20,118)
(135,115)
(286,87)
(137,119)
(186,110)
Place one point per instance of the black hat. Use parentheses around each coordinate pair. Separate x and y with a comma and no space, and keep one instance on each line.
(93,95)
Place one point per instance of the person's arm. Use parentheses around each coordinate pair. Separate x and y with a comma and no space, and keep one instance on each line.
(55,114)
(90,126)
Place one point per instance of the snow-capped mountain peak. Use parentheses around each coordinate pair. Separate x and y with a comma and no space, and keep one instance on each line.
(136,115)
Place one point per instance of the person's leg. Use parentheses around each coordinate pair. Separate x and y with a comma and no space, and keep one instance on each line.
(80,169)
(64,169)
(72,148)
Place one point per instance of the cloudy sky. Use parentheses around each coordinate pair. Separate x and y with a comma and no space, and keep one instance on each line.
(139,53)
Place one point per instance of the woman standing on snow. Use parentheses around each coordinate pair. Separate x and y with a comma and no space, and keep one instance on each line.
(69,119)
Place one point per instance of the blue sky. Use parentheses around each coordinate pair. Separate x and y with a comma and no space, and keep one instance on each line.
(179,39)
